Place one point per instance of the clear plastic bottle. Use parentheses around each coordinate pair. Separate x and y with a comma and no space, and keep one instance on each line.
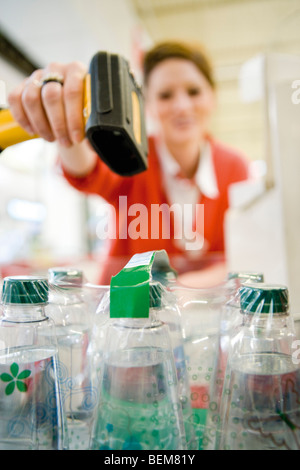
(260,407)
(230,322)
(70,312)
(31,405)
(170,314)
(200,312)
(231,318)
(139,407)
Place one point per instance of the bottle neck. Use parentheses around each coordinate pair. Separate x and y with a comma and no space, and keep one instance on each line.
(266,320)
(65,297)
(268,326)
(263,333)
(24,313)
(138,323)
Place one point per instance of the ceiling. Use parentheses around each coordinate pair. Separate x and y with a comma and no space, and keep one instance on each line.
(74,29)
(232,30)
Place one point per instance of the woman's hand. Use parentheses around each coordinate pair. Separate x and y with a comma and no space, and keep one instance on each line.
(53,111)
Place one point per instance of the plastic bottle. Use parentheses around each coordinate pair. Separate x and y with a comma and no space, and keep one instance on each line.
(170,314)
(31,405)
(68,309)
(297,324)
(230,317)
(260,406)
(200,311)
(139,406)
(230,322)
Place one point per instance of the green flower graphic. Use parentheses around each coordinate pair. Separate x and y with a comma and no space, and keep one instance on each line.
(15,379)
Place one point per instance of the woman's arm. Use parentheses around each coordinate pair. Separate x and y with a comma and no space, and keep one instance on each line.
(78,160)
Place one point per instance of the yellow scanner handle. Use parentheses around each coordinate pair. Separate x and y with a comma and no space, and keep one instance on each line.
(12,133)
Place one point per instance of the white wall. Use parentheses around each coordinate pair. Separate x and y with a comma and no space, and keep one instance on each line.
(265,233)
(65,30)
(233,31)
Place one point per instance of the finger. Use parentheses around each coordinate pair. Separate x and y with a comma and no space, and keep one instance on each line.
(16,108)
(52,98)
(34,109)
(73,100)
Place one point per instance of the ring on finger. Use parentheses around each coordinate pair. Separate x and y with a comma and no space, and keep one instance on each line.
(51,77)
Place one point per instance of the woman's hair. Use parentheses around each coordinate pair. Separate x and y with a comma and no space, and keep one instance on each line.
(178,49)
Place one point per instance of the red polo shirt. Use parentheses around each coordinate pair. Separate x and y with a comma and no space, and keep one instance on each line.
(147,188)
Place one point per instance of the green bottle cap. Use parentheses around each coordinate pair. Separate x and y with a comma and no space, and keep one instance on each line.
(155,293)
(25,290)
(66,277)
(264,298)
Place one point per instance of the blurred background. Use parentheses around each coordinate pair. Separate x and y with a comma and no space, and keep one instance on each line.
(255,49)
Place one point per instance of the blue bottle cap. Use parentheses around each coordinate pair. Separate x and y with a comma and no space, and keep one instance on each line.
(264,298)
(25,290)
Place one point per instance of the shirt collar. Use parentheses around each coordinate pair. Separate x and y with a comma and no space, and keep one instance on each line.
(205,176)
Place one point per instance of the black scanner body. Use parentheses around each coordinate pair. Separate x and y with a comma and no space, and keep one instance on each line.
(116,124)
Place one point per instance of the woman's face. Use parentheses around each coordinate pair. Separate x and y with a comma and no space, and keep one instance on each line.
(180,99)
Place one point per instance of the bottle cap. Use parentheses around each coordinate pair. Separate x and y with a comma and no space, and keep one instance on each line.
(246,276)
(155,294)
(264,298)
(66,277)
(25,290)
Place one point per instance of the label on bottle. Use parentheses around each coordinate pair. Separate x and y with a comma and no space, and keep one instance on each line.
(129,289)
(140,259)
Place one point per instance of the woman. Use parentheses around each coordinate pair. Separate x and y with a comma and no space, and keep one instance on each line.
(179,203)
